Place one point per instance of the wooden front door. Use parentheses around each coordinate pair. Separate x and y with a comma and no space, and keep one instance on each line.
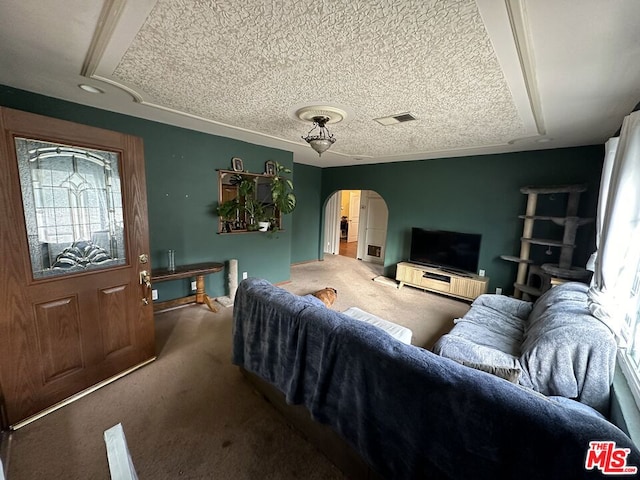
(73,244)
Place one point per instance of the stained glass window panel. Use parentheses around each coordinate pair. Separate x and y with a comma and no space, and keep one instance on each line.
(72,202)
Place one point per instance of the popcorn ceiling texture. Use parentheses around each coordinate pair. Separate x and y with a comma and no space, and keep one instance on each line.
(248,63)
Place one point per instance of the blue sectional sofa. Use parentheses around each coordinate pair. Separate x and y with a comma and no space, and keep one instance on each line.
(408,412)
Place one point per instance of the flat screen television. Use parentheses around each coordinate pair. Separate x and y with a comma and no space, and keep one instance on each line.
(448,250)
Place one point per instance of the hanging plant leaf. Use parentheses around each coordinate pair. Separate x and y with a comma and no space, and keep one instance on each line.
(282,191)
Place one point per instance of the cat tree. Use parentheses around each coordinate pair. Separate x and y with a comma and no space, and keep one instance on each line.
(532,280)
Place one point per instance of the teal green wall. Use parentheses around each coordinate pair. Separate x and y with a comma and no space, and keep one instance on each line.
(182,185)
(472,194)
(306,218)
(479,194)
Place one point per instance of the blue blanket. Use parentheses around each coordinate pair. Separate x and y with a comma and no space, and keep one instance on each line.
(409,412)
(557,346)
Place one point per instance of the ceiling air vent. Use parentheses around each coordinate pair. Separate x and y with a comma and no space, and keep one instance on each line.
(393,119)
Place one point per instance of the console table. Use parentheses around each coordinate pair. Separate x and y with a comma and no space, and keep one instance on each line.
(198,270)
(466,286)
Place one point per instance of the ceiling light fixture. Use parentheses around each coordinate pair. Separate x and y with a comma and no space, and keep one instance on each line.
(322,140)
(319,137)
(90,88)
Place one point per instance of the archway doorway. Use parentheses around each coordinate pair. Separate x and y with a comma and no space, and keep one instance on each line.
(356,225)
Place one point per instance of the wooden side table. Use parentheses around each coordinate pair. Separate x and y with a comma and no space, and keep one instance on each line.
(198,270)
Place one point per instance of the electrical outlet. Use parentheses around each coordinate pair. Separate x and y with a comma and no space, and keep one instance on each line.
(481,272)
(193,286)
(498,291)
(154,294)
(244,275)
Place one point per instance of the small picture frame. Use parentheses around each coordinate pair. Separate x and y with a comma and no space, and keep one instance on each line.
(237,165)
(270,168)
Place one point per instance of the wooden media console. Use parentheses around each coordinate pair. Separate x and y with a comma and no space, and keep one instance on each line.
(466,286)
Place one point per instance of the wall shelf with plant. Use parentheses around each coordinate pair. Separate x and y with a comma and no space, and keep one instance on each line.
(249,202)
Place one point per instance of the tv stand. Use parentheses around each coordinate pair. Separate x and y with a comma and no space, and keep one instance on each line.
(455,272)
(466,286)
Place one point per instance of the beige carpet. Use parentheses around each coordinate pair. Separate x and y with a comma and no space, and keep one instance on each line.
(428,315)
(190,414)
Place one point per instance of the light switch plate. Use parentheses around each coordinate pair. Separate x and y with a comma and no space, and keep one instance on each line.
(154,294)
(481,273)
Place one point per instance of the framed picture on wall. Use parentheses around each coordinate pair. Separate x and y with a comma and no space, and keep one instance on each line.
(270,168)
(236,164)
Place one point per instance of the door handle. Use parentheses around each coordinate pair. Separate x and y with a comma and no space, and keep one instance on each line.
(145,278)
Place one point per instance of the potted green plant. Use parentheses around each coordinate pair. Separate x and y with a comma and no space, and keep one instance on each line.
(228,213)
(264,224)
(246,186)
(257,213)
(282,190)
(255,210)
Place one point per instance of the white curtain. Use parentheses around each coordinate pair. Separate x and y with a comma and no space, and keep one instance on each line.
(610,149)
(618,229)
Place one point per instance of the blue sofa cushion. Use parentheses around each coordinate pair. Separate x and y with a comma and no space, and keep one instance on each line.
(560,348)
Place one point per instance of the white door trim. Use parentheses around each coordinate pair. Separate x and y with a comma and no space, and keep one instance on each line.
(362,224)
(332,225)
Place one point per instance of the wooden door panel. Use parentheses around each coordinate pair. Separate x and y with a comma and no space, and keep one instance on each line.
(59,339)
(62,335)
(114,325)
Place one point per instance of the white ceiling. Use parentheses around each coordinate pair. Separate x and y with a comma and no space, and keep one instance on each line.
(483,76)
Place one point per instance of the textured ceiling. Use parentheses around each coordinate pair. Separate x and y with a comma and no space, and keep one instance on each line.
(483,76)
(247,64)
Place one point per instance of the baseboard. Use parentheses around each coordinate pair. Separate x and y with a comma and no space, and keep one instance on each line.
(307,261)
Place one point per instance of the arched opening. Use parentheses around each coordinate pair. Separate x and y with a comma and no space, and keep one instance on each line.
(356,225)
